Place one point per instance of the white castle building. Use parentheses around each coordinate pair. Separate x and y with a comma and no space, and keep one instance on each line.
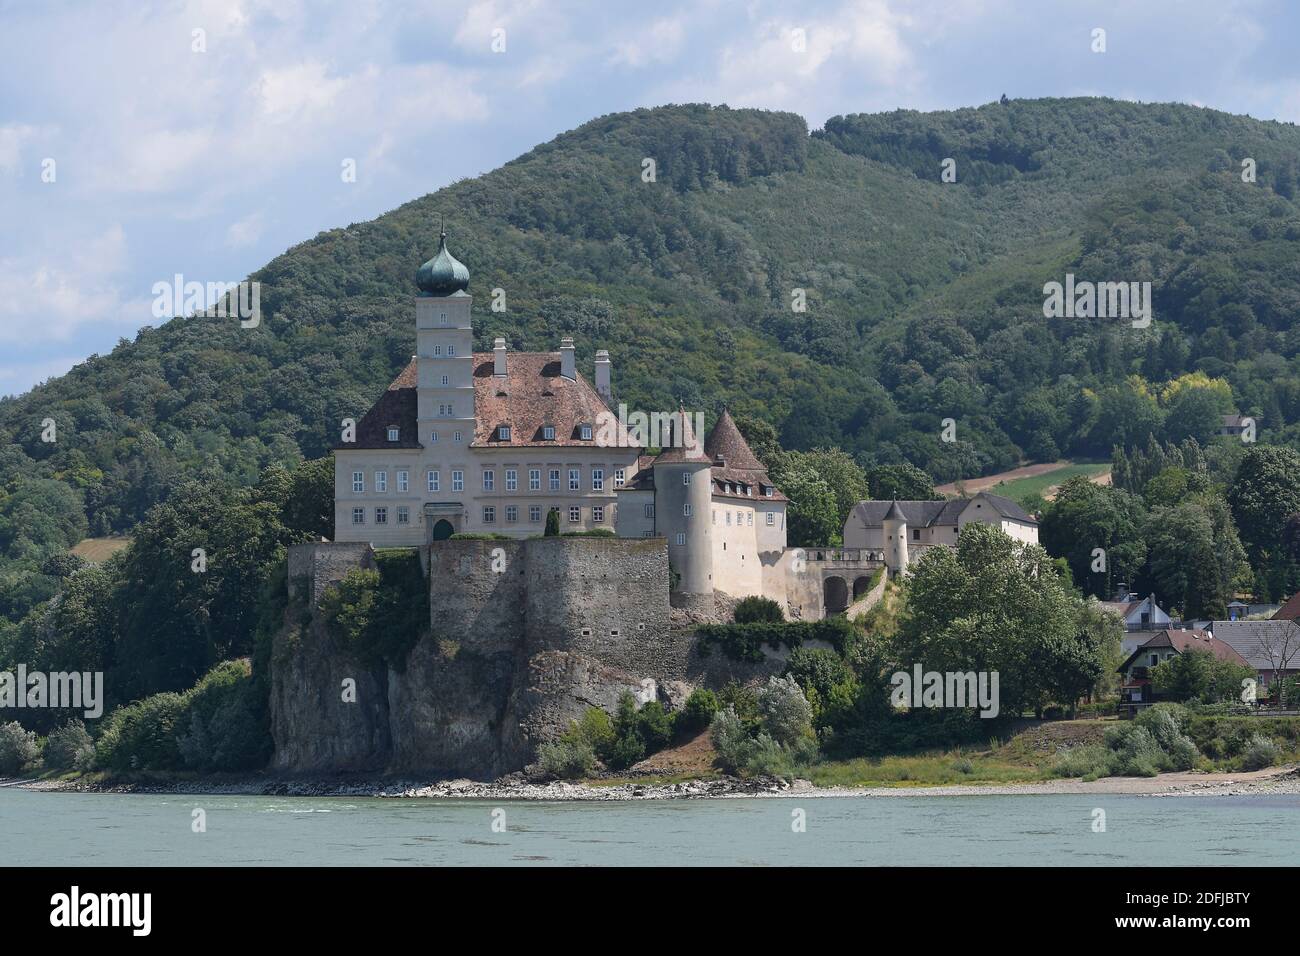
(465,441)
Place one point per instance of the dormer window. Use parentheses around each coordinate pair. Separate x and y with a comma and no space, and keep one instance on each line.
(503,433)
(548,433)
(392,433)
(767,490)
(586,433)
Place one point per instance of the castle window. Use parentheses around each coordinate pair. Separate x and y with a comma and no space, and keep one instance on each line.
(534,479)
(403,481)
(392,434)
(586,433)
(598,515)
(597,479)
(512,479)
(358,481)
(715,515)
(442,318)
(512,513)
(437,350)
(681,538)
(431,480)
(767,490)
(358,515)
(381,481)
(451,350)
(456,437)
(403,514)
(489,479)
(575,479)
(433,438)
(575,514)
(489,514)
(750,522)
(647,534)
(548,433)
(686,511)
(381,516)
(728,514)
(503,433)
(555,479)
(686,477)
(771,518)
(916,534)
(458,481)
(446,380)
(534,513)
(650,511)
(619,478)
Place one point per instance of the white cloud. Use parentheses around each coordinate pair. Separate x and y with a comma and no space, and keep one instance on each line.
(661,42)
(245,231)
(12,139)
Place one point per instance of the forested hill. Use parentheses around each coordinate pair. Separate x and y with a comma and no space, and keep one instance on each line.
(924,298)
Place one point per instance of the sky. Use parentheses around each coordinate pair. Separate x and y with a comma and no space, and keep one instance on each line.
(203,138)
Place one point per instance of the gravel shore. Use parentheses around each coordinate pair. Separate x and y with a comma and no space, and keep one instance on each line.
(1273,781)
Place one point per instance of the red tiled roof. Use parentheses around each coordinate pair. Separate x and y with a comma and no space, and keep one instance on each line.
(1189,640)
(726,442)
(1290,611)
(532,394)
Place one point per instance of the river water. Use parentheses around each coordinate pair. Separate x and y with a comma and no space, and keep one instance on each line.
(69,829)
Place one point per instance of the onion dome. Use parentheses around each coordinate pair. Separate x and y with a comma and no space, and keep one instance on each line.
(444,274)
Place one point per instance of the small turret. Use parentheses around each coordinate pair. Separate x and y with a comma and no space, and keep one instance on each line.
(894,528)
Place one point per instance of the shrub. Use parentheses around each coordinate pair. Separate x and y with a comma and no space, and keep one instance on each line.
(654,726)
(1084,760)
(698,711)
(730,740)
(784,711)
(593,533)
(226,727)
(478,536)
(142,736)
(69,747)
(552,523)
(963,766)
(18,748)
(567,759)
(755,610)
(1260,752)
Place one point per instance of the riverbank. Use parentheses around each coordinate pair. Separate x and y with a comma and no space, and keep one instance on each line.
(1274,781)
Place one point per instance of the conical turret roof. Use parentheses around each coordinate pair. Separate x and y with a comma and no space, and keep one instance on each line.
(726,442)
(686,445)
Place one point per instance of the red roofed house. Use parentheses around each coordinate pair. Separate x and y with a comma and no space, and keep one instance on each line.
(1137,690)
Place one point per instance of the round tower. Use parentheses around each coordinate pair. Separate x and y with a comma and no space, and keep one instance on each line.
(894,529)
(683,508)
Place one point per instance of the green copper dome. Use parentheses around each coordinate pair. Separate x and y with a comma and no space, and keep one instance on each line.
(444,274)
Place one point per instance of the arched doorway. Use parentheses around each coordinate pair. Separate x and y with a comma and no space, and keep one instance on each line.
(837,595)
(442,530)
(861,586)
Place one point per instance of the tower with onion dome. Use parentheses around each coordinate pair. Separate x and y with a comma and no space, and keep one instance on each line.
(444,345)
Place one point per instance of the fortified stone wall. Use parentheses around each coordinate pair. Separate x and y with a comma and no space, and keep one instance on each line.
(524,636)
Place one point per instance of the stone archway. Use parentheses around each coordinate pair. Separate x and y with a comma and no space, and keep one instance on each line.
(442,530)
(861,585)
(836,592)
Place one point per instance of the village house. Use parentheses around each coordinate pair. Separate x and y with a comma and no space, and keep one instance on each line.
(1272,647)
(1136,690)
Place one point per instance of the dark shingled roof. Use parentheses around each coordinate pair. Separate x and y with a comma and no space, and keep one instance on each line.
(926,514)
(742,469)
(1251,640)
(395,407)
(533,393)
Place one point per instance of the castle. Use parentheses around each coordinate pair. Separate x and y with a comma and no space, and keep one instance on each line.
(475,442)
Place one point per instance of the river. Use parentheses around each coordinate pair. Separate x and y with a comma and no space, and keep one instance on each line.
(69,829)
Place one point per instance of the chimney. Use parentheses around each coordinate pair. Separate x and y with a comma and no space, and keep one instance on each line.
(568,368)
(499,356)
(602,375)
